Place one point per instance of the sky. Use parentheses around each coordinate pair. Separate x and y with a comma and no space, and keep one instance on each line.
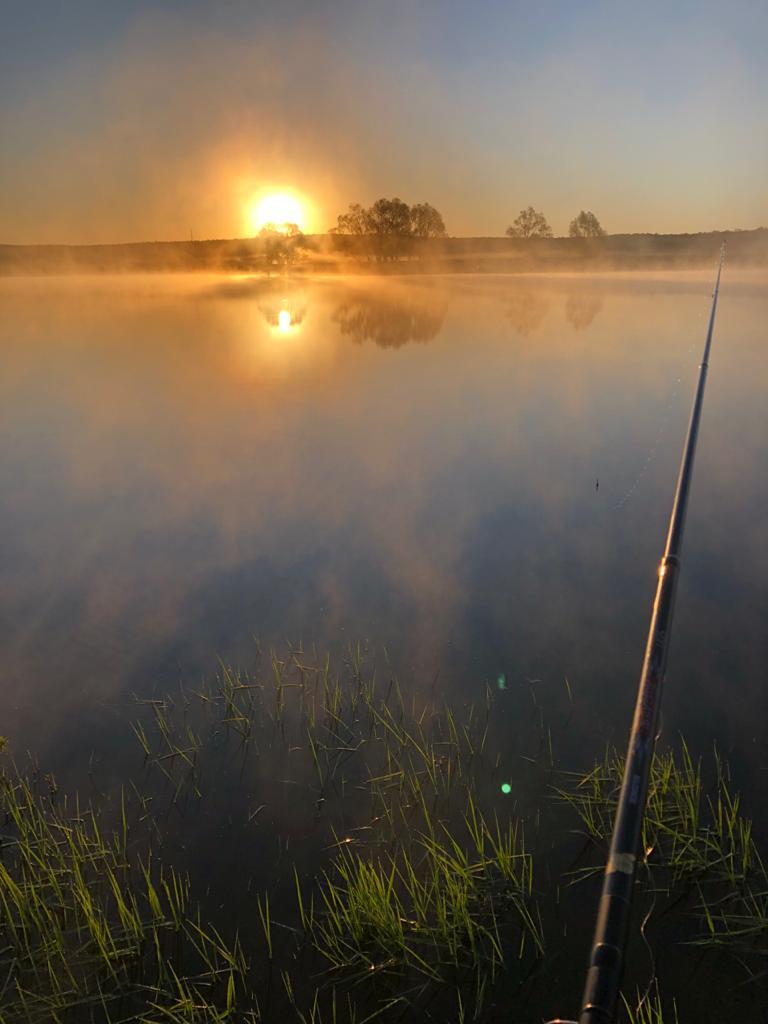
(128,120)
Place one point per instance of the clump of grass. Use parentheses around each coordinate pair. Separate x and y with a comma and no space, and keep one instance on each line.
(87,929)
(647,1009)
(426,894)
(688,834)
(348,725)
(445,903)
(700,848)
(738,921)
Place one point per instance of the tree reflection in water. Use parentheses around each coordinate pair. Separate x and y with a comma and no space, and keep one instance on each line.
(525,309)
(581,308)
(390,321)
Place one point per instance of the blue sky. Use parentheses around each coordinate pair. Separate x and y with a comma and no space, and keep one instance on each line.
(128,120)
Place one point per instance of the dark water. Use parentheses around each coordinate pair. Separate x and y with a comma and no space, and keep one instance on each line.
(192,465)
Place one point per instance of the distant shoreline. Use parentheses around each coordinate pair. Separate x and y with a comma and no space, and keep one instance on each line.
(319,253)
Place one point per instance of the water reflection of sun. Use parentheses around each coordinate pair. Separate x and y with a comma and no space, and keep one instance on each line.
(285,318)
(285,351)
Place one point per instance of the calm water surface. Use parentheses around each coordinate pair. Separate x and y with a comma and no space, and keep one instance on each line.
(190,467)
(188,464)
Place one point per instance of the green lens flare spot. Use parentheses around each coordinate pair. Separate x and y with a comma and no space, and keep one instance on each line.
(501,682)
(506,789)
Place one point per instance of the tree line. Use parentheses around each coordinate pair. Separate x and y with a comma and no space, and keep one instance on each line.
(531,223)
(391,229)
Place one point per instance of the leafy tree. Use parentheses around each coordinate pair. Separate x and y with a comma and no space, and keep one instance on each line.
(426,222)
(586,225)
(281,244)
(353,223)
(530,224)
(390,217)
(287,230)
(387,229)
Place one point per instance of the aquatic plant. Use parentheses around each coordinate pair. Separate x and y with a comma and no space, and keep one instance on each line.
(404,891)
(446,901)
(90,927)
(648,1009)
(699,850)
(685,832)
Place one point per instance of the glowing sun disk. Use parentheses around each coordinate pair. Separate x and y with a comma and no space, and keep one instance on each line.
(277,209)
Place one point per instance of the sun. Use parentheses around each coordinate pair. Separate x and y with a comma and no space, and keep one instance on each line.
(280,210)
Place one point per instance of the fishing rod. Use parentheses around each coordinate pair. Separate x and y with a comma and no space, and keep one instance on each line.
(606,960)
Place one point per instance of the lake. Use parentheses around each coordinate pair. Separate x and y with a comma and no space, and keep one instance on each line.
(466,478)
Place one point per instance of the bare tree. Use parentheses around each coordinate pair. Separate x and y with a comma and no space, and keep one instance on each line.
(530,224)
(586,225)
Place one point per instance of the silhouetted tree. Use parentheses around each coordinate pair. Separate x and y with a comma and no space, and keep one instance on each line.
(586,225)
(352,223)
(286,229)
(389,221)
(390,217)
(281,244)
(352,231)
(387,228)
(426,221)
(530,224)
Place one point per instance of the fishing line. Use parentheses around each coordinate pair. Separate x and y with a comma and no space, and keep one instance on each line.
(670,401)
(652,451)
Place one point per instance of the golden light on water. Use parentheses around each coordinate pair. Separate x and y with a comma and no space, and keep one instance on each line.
(283,312)
(286,320)
(278,210)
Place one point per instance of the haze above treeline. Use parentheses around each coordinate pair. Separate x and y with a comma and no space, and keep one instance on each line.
(134,121)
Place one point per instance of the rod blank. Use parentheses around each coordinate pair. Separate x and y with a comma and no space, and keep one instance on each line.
(606,961)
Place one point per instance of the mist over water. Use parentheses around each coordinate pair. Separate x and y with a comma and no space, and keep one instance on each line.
(193,465)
